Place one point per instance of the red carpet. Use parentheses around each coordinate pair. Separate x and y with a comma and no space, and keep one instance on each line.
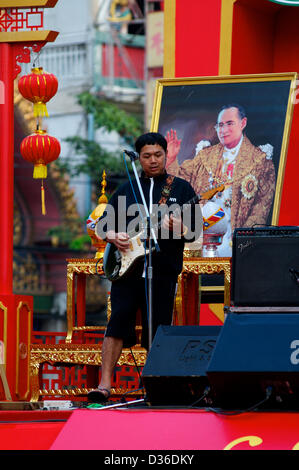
(30,430)
(147,430)
(177,430)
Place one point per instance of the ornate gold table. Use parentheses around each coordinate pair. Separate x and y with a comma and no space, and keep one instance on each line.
(74,350)
(187,301)
(70,355)
(187,297)
(77,270)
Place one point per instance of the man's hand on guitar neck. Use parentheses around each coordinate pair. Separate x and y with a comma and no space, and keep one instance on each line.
(174,224)
(121,240)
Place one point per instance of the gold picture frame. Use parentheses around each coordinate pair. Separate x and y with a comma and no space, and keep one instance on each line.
(191,107)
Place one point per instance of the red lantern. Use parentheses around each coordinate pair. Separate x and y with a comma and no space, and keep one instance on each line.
(38,87)
(40,149)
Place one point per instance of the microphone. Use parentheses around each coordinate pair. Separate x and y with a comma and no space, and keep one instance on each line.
(131,154)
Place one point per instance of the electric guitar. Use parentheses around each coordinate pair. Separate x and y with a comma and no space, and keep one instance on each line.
(117,264)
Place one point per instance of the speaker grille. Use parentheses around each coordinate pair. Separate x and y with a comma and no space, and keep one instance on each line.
(263,261)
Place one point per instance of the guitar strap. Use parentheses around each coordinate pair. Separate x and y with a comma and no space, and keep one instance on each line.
(166,189)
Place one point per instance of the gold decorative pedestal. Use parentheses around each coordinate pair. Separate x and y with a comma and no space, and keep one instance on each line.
(70,355)
(74,351)
(187,300)
(77,270)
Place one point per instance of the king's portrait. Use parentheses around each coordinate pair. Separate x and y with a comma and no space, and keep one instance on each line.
(235,145)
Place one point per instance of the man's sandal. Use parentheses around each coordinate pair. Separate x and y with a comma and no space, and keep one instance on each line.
(98,395)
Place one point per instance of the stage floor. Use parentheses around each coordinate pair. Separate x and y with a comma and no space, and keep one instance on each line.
(147,428)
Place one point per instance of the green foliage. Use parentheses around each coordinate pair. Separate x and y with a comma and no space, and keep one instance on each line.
(81,243)
(111,118)
(70,238)
(97,159)
(64,234)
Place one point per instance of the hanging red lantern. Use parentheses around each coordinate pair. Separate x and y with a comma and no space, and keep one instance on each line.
(38,87)
(40,149)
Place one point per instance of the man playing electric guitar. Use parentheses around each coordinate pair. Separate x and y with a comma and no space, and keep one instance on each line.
(129,293)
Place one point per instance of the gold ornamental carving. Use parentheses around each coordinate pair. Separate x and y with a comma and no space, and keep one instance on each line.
(211,266)
(75,392)
(82,354)
(85,354)
(26,277)
(84,266)
(21,347)
(71,353)
(75,267)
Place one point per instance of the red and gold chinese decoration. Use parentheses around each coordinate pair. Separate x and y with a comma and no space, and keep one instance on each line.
(39,148)
(38,87)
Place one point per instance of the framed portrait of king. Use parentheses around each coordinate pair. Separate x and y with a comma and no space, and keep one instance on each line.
(229,133)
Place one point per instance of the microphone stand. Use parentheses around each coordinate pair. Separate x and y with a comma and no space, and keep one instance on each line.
(152,238)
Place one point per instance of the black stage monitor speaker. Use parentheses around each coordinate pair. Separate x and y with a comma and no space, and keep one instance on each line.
(255,354)
(175,370)
(265,267)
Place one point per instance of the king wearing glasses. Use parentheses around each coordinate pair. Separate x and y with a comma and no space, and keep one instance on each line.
(247,172)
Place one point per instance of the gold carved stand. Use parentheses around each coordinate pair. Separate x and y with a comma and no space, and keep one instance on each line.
(187,300)
(75,350)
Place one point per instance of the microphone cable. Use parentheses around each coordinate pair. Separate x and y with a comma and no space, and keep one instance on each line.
(205,393)
(139,375)
(138,370)
(142,220)
(123,400)
(132,187)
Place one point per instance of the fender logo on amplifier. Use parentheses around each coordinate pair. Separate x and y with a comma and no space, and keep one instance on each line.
(243,246)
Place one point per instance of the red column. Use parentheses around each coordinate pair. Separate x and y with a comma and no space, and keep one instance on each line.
(6,168)
(15,310)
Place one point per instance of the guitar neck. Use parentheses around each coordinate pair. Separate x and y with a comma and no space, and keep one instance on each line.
(176,213)
(198,197)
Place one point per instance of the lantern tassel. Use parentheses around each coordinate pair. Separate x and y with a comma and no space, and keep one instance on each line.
(43,200)
(40,171)
(40,109)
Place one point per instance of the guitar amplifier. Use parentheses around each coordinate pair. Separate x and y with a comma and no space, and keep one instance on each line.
(265,267)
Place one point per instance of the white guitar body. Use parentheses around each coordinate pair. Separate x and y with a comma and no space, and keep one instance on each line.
(133,254)
(118,263)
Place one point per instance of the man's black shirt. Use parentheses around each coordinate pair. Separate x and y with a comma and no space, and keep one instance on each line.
(169,260)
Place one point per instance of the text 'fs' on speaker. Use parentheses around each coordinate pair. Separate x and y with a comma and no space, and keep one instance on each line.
(175,370)
(255,354)
(265,266)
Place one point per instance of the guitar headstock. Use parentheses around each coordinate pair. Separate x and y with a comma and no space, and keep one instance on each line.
(207,195)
